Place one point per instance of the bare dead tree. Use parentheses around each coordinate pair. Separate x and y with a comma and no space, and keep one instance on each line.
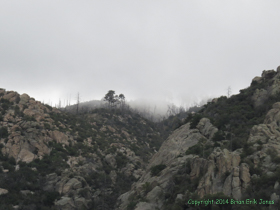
(228,91)
(78,103)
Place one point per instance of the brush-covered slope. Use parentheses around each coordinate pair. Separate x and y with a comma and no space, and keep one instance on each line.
(227,152)
(55,160)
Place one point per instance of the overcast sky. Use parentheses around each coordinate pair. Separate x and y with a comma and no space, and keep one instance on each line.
(180,51)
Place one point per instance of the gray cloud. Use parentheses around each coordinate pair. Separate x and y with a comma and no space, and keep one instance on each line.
(179,50)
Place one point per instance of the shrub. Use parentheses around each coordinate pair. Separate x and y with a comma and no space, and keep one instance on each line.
(50,197)
(29,118)
(195,120)
(4,132)
(131,205)
(218,136)
(47,126)
(155,170)
(5,103)
(147,187)
(194,150)
(121,160)
(48,106)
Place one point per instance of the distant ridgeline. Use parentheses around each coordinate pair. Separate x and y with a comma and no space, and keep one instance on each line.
(147,109)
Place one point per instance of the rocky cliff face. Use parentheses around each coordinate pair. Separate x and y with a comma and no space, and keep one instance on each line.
(172,156)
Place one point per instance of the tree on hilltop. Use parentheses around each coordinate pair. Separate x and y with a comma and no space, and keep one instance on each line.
(113,99)
(122,100)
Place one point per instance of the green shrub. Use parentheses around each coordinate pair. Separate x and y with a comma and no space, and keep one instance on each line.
(4,132)
(147,187)
(48,106)
(121,160)
(47,126)
(194,150)
(218,136)
(274,155)
(195,120)
(155,170)
(29,118)
(8,166)
(50,197)
(131,205)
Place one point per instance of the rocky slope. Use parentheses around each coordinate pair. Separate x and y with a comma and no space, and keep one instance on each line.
(51,159)
(229,151)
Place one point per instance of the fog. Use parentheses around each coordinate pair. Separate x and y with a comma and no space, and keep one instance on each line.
(178,52)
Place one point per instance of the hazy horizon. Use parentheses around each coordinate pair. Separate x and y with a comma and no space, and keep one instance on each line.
(180,52)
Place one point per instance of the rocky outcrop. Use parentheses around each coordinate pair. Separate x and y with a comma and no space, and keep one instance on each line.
(11,96)
(24,99)
(177,143)
(71,189)
(3,191)
(268,133)
(206,128)
(222,172)
(65,203)
(259,97)
(268,74)
(110,159)
(271,87)
(59,137)
(257,79)
(171,154)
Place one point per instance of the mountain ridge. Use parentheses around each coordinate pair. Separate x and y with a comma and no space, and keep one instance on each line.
(115,159)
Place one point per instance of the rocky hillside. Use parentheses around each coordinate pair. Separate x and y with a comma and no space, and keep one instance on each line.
(107,159)
(228,152)
(55,160)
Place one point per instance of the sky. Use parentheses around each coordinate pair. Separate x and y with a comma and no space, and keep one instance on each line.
(177,51)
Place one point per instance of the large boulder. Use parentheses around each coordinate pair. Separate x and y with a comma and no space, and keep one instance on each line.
(65,203)
(206,128)
(71,184)
(257,79)
(110,159)
(3,191)
(59,137)
(245,176)
(268,74)
(259,97)
(11,96)
(24,98)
